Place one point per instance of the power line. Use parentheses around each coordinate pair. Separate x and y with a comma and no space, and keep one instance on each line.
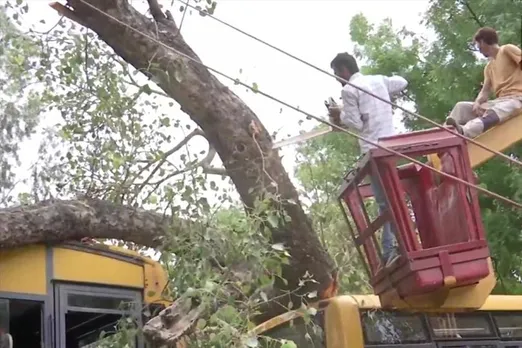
(498,153)
(237,81)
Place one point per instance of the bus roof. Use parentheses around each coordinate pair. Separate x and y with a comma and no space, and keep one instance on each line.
(493,302)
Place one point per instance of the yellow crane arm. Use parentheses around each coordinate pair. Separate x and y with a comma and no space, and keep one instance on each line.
(498,138)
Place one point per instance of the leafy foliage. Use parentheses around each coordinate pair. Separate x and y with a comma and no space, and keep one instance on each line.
(19,106)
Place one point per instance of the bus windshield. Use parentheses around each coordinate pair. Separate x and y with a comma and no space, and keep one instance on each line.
(477,329)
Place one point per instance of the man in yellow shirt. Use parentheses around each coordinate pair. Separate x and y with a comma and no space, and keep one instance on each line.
(503,76)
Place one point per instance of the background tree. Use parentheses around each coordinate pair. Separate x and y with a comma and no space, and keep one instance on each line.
(18,110)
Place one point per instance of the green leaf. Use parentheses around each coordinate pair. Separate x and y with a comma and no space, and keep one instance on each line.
(201,324)
(153,199)
(289,344)
(278,246)
(117,160)
(263,296)
(165,121)
(252,342)
(312,294)
(146,89)
(311,310)
(273,221)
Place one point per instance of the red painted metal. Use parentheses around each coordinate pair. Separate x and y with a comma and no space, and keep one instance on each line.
(440,236)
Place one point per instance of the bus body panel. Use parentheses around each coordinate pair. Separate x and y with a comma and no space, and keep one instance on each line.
(23,270)
(85,267)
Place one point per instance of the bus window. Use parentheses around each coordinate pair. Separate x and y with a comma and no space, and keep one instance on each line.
(304,334)
(22,319)
(460,326)
(509,325)
(86,313)
(383,327)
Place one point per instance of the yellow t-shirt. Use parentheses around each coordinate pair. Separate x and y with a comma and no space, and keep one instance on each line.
(504,71)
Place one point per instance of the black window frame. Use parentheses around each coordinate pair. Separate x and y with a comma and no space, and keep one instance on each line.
(485,315)
(495,314)
(469,343)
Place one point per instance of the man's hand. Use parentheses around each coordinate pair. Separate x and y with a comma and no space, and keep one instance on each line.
(477,109)
(334,113)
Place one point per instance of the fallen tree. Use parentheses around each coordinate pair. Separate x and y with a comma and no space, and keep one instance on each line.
(54,221)
(229,125)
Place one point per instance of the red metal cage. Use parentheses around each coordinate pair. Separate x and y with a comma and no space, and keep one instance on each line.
(437,220)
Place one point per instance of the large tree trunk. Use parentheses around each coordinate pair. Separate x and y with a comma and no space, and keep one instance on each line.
(230,126)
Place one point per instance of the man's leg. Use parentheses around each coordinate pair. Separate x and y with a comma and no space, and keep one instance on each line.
(498,111)
(389,252)
(461,114)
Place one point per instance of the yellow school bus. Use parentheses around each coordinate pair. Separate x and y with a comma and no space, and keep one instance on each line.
(66,295)
(359,321)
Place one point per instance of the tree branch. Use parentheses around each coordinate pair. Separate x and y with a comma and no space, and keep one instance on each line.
(65,12)
(205,163)
(165,156)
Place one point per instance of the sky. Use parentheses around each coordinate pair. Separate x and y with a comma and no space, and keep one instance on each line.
(314,30)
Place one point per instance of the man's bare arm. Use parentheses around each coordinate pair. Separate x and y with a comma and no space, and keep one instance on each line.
(484,93)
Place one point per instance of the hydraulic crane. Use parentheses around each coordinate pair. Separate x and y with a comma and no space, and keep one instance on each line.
(445,261)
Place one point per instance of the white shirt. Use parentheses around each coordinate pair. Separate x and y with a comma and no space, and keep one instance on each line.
(370,117)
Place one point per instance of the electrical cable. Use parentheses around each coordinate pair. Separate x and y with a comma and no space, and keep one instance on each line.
(490,193)
(411,113)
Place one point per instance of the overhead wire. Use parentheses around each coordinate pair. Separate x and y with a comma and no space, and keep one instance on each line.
(236,81)
(411,113)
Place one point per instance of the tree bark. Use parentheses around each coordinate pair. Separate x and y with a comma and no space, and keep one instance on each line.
(230,126)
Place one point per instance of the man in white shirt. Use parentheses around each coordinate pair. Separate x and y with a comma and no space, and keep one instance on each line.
(372,119)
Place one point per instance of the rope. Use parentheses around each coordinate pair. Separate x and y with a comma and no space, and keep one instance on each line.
(411,113)
(490,193)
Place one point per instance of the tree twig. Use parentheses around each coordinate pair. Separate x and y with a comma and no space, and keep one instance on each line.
(160,17)
(176,148)
(204,164)
(473,14)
